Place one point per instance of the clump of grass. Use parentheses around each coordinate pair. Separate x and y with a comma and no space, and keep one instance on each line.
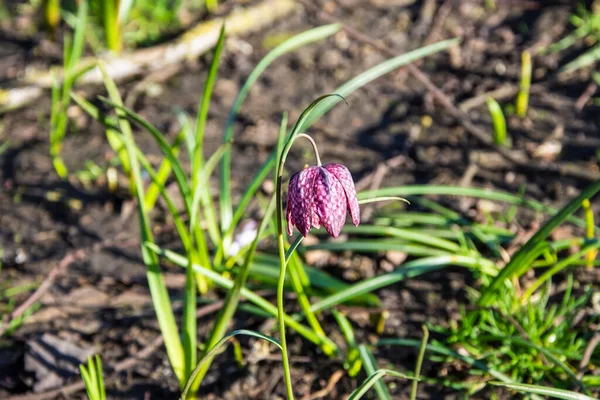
(93,378)
(587,28)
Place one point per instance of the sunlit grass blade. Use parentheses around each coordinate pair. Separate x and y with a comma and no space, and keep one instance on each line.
(112,127)
(589,230)
(266,269)
(202,190)
(352,363)
(370,366)
(517,262)
(407,270)
(198,156)
(523,96)
(289,45)
(233,295)
(372,380)
(590,247)
(378,245)
(217,346)
(422,349)
(158,289)
(164,146)
(164,170)
(60,93)
(488,194)
(79,37)
(371,74)
(251,296)
(545,391)
(446,351)
(498,120)
(588,58)
(405,234)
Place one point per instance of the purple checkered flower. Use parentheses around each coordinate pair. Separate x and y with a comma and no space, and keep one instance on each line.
(320,195)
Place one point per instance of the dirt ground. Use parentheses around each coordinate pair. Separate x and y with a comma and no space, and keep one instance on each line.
(101,304)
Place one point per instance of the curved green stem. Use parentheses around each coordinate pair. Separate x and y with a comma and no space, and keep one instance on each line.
(281,283)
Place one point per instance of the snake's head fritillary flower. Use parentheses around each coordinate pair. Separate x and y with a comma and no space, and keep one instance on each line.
(320,195)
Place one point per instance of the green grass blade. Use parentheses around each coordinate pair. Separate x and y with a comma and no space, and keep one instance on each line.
(375,246)
(559,266)
(545,391)
(158,289)
(233,295)
(202,193)
(372,380)
(588,58)
(214,349)
(266,269)
(498,120)
(87,380)
(488,194)
(79,38)
(164,170)
(202,113)
(303,330)
(406,234)
(101,386)
(370,366)
(177,220)
(445,351)
(373,73)
(345,327)
(198,156)
(523,96)
(421,355)
(164,146)
(289,45)
(517,261)
(408,270)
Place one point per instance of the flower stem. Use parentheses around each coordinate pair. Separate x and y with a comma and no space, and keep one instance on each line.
(314,145)
(280,285)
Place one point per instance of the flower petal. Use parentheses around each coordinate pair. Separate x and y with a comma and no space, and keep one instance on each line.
(329,202)
(343,175)
(300,199)
(291,195)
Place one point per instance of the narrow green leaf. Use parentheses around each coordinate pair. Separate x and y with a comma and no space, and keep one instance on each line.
(408,270)
(373,73)
(488,194)
(543,390)
(374,378)
(198,156)
(370,367)
(158,289)
(498,120)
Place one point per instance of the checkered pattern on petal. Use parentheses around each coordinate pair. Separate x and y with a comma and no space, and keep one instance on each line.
(329,202)
(300,199)
(291,201)
(345,178)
